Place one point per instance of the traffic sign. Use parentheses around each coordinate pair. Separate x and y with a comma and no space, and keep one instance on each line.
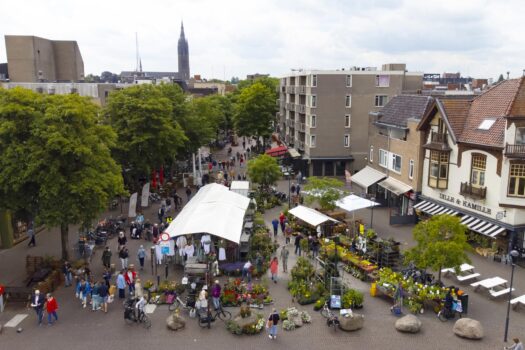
(164,247)
(164,237)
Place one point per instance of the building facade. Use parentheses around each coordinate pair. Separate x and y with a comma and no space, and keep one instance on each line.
(34,59)
(392,175)
(324,114)
(474,164)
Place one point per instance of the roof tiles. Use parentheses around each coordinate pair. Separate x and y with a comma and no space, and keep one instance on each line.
(403,107)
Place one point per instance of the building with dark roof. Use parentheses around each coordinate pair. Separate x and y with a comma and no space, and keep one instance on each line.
(474,163)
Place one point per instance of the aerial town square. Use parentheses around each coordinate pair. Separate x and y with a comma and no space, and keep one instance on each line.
(262,174)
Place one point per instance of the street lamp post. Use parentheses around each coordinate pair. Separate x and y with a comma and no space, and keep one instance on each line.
(288,175)
(513,255)
(373,199)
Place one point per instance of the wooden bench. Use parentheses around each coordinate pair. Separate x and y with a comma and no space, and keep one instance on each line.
(517,301)
(467,277)
(495,294)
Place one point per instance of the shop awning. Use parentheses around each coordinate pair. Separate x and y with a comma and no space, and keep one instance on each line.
(353,202)
(394,186)
(481,226)
(434,209)
(310,216)
(214,210)
(367,177)
(277,151)
(293,153)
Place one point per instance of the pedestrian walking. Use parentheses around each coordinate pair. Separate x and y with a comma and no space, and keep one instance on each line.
(68,276)
(188,192)
(107,277)
(37,303)
(95,297)
(297,189)
(282,218)
(51,308)
(284,258)
(287,233)
(130,277)
(259,264)
(274,269)
(121,284)
(246,271)
(272,323)
(82,291)
(31,235)
(141,255)
(160,214)
(168,205)
(103,294)
(292,189)
(106,257)
(275,224)
(297,244)
(124,255)
(216,295)
(121,240)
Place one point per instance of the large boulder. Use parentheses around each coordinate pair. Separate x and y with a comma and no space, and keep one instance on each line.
(296,320)
(468,328)
(175,322)
(245,321)
(351,323)
(408,324)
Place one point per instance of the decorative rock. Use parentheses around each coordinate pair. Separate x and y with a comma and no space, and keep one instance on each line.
(296,320)
(408,324)
(468,328)
(175,322)
(351,323)
(244,321)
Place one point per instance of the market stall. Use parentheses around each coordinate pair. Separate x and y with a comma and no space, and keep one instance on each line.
(311,216)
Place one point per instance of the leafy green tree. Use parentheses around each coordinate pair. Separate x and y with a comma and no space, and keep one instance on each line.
(325,191)
(59,166)
(441,242)
(264,171)
(255,111)
(90,78)
(500,79)
(148,134)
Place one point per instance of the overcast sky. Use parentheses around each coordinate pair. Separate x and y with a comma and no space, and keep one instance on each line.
(479,38)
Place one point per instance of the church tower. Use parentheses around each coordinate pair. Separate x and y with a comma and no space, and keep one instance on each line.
(184,55)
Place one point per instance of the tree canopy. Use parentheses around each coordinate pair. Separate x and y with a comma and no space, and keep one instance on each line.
(255,111)
(59,166)
(264,171)
(148,135)
(441,241)
(325,191)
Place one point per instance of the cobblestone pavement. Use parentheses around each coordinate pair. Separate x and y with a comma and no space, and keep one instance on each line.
(79,328)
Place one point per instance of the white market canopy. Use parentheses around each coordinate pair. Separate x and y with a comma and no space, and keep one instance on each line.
(214,210)
(367,176)
(352,202)
(240,185)
(310,216)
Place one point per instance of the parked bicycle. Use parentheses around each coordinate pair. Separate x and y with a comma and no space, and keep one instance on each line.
(331,318)
(132,315)
(206,317)
(445,314)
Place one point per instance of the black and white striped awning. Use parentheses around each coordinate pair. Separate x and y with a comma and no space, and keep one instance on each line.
(481,226)
(434,209)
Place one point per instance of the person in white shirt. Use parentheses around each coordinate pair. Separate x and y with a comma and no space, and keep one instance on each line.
(139,307)
(516,346)
(246,271)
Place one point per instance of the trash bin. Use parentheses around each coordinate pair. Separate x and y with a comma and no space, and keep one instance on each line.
(464,303)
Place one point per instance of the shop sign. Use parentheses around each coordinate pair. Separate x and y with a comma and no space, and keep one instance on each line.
(465,203)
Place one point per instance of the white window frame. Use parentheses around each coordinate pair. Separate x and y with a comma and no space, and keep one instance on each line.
(349,81)
(313,141)
(392,163)
(346,140)
(348,117)
(378,100)
(371,155)
(313,121)
(314,80)
(411,169)
(313,101)
(348,101)
(378,80)
(383,158)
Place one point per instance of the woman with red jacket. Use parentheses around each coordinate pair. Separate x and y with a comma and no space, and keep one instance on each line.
(130,277)
(51,308)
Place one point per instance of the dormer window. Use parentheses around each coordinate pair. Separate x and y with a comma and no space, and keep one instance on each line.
(486,124)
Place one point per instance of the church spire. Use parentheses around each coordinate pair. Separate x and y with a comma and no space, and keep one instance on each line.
(183,55)
(182,29)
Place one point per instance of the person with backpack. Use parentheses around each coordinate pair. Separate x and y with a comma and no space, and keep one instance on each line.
(160,214)
(271,324)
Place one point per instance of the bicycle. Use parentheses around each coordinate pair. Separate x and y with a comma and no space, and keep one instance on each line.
(130,316)
(332,319)
(177,303)
(444,315)
(209,317)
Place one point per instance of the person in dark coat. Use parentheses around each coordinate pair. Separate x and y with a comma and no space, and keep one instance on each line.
(37,303)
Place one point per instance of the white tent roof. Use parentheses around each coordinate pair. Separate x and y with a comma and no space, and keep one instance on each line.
(353,202)
(240,185)
(214,210)
(367,176)
(310,216)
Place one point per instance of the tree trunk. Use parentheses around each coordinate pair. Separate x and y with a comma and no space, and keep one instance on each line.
(439,274)
(64,239)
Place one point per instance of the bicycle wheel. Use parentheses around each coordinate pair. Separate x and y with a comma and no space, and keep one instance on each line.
(174,306)
(324,312)
(441,316)
(224,315)
(146,322)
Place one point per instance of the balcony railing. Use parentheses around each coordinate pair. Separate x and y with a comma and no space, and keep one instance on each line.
(290,106)
(290,89)
(300,126)
(301,108)
(517,151)
(472,191)
(437,137)
(299,144)
(301,90)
